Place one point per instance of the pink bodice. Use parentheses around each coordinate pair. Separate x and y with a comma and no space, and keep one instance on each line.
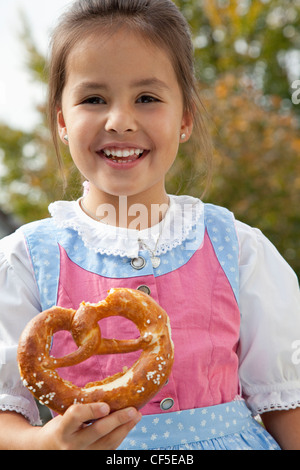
(204,317)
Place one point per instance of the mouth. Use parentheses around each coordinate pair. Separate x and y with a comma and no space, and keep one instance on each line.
(123,156)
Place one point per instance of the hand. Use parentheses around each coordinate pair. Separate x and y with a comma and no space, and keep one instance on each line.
(69,432)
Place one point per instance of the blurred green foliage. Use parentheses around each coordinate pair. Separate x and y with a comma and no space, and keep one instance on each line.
(247,53)
(258,38)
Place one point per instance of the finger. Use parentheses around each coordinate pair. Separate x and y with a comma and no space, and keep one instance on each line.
(77,415)
(113,440)
(112,428)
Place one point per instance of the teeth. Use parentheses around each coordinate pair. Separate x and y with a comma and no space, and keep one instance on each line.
(122,153)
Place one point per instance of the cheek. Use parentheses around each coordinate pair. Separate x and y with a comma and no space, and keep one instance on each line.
(166,137)
(172,124)
(168,134)
(80,124)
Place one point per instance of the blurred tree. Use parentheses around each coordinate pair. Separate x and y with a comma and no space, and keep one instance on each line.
(257,162)
(261,38)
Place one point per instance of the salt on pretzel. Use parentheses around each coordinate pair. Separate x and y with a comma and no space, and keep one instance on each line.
(132,387)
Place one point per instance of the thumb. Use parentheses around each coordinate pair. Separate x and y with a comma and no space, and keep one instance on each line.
(78,415)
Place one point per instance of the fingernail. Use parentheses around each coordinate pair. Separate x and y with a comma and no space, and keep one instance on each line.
(104,409)
(134,414)
(131,413)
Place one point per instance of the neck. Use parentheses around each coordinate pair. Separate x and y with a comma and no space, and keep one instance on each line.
(125,211)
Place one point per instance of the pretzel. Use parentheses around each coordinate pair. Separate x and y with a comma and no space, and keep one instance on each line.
(132,387)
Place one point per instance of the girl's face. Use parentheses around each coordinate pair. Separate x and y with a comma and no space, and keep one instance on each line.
(122,109)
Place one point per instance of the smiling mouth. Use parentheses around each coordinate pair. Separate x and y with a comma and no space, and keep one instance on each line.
(123,156)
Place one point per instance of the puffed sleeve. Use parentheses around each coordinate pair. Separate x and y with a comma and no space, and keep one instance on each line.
(19,302)
(270,325)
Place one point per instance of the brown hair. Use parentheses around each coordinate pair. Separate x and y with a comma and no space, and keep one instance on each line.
(159,21)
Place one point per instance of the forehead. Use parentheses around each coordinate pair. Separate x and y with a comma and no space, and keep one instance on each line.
(119,56)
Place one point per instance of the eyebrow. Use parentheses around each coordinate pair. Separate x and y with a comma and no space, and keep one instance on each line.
(146,82)
(153,81)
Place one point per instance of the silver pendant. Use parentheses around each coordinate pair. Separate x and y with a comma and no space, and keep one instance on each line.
(155,261)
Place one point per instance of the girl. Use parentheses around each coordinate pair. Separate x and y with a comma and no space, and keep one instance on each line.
(123,97)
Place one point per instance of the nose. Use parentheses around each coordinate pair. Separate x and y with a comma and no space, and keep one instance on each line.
(120,119)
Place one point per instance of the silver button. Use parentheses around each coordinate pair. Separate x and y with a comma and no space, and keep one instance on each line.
(138,263)
(144,289)
(166,404)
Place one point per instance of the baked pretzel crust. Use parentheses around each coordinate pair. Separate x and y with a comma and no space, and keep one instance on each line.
(132,387)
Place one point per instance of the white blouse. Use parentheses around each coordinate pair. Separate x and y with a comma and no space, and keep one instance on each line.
(269,303)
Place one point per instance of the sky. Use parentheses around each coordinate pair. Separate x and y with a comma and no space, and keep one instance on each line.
(18,94)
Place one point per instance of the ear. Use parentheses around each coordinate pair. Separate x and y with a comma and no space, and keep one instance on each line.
(187,125)
(62,129)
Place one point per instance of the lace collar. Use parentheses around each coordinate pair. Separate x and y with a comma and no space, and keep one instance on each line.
(183,213)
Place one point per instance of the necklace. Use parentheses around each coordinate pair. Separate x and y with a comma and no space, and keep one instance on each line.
(155,260)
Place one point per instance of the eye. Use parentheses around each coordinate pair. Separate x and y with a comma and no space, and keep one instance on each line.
(94,100)
(144,99)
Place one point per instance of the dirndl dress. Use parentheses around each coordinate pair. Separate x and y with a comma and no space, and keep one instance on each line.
(196,282)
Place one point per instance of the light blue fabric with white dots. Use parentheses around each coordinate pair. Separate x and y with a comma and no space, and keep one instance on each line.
(41,239)
(220,226)
(229,426)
